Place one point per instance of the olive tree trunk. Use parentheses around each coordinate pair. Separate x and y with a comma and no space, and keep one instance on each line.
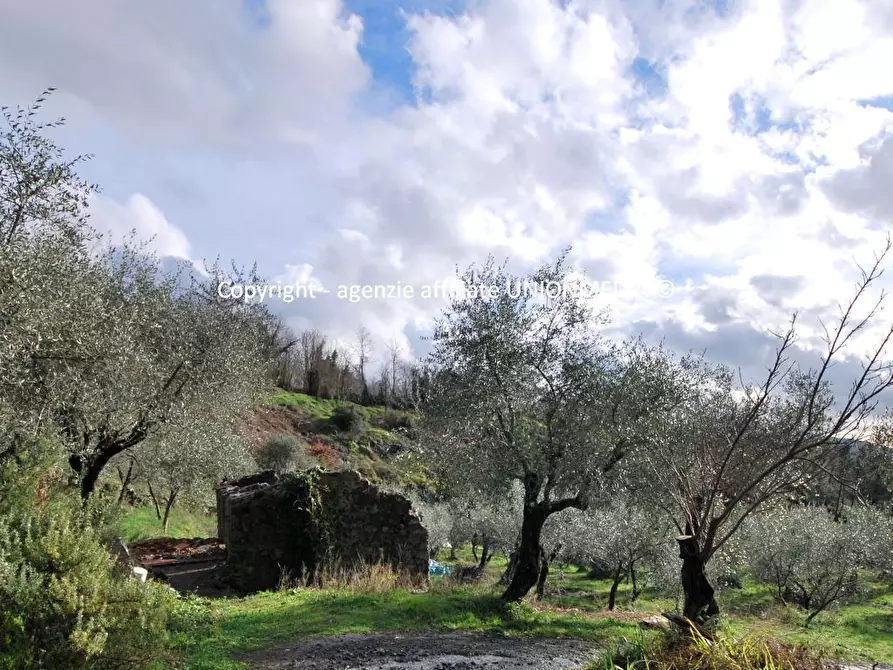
(527,561)
(700,600)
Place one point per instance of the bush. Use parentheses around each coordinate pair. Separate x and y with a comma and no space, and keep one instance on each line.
(397,422)
(63,602)
(349,419)
(724,653)
(284,453)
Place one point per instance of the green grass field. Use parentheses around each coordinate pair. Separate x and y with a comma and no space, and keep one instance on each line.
(211,634)
(141,523)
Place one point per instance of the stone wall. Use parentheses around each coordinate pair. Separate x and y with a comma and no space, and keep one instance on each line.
(304,523)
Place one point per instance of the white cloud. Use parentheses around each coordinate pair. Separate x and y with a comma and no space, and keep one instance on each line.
(141,217)
(752,181)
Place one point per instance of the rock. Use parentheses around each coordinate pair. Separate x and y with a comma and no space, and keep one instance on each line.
(657,622)
(139,573)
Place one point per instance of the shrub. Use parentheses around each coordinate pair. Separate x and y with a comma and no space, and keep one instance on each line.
(397,422)
(284,453)
(349,419)
(63,602)
(675,651)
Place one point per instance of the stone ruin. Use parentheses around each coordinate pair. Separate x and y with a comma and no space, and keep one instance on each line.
(301,524)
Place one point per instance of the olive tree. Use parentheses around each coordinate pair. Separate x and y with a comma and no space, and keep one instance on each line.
(437,519)
(167,352)
(44,243)
(810,558)
(731,447)
(523,389)
(186,464)
(99,344)
(491,523)
(875,535)
(618,539)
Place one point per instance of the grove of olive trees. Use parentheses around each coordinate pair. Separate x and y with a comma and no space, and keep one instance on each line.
(525,391)
(106,357)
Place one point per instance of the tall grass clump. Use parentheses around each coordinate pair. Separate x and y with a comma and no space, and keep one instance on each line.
(696,652)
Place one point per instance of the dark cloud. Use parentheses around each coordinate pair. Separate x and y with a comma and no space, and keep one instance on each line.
(776,289)
(715,305)
(866,189)
(752,352)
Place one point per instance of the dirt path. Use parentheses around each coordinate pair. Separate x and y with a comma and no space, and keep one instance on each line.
(426,651)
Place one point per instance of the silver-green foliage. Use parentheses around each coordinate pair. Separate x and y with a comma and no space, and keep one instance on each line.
(103,352)
(437,519)
(810,559)
(101,344)
(617,535)
(490,521)
(283,453)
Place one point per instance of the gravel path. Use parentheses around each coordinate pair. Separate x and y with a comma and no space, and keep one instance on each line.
(426,651)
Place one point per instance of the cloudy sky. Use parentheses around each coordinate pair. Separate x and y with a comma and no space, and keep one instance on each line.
(741,150)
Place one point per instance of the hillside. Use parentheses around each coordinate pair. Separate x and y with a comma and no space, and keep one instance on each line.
(375,441)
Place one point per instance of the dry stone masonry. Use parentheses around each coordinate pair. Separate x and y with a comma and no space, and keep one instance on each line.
(298,525)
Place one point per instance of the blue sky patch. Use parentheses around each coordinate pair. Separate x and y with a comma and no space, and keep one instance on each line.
(386,39)
(611,219)
(751,116)
(883,101)
(652,77)
(258,13)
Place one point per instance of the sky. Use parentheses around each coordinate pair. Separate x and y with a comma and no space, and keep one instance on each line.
(738,152)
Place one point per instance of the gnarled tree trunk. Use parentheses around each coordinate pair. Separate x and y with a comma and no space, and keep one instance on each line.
(544,571)
(528,558)
(700,600)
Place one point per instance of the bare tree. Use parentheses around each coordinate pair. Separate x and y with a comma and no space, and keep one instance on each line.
(312,345)
(394,352)
(283,346)
(733,448)
(364,351)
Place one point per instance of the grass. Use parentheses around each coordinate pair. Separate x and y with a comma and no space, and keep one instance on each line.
(141,523)
(213,634)
(312,407)
(859,629)
(322,408)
